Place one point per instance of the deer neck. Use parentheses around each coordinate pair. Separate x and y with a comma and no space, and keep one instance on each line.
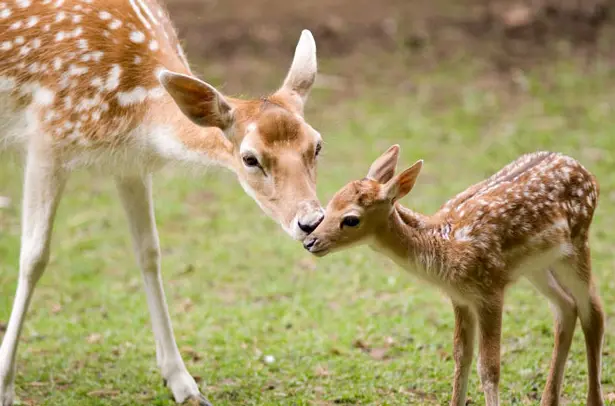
(177,139)
(413,241)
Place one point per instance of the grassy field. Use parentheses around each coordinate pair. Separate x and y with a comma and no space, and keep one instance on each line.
(351,328)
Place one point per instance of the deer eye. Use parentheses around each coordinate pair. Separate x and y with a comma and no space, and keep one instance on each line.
(350,221)
(250,161)
(318,148)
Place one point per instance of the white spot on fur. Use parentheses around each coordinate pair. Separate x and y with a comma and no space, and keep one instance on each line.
(77,19)
(463,234)
(6,46)
(32,21)
(76,32)
(137,11)
(7,84)
(60,16)
(104,15)
(16,25)
(6,13)
(137,37)
(148,12)
(153,45)
(137,60)
(115,24)
(57,63)
(36,43)
(76,70)
(134,96)
(82,44)
(24,3)
(44,96)
(113,79)
(60,36)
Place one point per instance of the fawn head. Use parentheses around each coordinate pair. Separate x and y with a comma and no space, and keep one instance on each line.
(274,150)
(362,207)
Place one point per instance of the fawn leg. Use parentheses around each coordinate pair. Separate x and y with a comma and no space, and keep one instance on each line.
(463,350)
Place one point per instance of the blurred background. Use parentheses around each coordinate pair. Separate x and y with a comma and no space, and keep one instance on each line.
(467,85)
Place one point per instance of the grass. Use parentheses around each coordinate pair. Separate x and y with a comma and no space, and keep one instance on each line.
(351,328)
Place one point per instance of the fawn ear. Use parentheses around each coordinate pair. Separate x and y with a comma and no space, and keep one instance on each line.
(403,183)
(199,101)
(383,168)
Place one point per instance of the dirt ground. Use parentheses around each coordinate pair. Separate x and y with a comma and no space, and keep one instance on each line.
(506,32)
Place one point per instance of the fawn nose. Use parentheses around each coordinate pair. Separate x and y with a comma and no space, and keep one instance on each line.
(309,243)
(309,223)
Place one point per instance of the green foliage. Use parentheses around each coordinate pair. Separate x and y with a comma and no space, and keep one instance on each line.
(350,328)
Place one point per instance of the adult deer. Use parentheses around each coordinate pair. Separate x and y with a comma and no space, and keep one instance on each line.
(106,84)
(531,219)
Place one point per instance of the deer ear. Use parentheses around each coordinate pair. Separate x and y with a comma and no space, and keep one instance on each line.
(199,101)
(403,183)
(383,168)
(302,72)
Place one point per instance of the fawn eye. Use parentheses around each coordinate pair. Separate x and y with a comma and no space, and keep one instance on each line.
(318,148)
(250,161)
(350,221)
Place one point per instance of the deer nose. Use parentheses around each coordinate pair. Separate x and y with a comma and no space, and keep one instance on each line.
(309,243)
(308,225)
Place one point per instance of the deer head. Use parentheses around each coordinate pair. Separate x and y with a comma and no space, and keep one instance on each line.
(362,207)
(273,150)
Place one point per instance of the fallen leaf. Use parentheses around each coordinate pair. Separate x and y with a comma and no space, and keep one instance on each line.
(379,354)
(361,344)
(186,305)
(37,384)
(335,351)
(104,393)
(389,341)
(610,396)
(94,338)
(192,402)
(191,353)
(56,308)
(518,16)
(307,264)
(444,355)
(321,370)
(5,202)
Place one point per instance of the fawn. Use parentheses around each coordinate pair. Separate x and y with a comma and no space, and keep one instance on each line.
(105,84)
(530,219)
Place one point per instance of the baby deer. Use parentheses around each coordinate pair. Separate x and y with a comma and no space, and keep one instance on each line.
(530,219)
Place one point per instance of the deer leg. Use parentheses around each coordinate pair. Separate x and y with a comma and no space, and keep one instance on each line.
(43,186)
(136,197)
(489,316)
(465,330)
(565,315)
(575,276)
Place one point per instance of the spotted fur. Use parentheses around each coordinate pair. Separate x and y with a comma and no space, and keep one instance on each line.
(105,84)
(531,219)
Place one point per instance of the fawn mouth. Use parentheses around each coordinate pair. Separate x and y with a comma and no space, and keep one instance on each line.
(319,251)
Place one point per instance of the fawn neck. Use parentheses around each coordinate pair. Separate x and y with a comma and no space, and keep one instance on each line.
(412,240)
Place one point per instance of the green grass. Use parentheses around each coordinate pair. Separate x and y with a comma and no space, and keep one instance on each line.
(350,328)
